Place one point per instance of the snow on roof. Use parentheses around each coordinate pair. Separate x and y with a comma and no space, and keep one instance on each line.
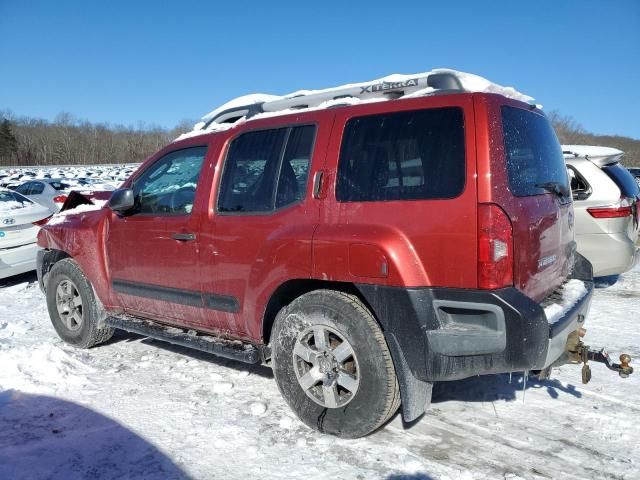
(599,155)
(410,86)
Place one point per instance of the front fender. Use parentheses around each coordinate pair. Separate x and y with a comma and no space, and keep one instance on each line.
(81,236)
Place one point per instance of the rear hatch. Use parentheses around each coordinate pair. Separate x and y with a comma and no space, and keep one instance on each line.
(539,207)
(629,198)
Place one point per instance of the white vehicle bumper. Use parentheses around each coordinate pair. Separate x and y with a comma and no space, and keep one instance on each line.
(16,260)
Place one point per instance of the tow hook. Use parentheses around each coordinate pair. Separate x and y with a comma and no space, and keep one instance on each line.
(585,353)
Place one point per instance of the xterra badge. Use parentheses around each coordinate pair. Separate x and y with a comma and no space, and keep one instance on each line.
(381,87)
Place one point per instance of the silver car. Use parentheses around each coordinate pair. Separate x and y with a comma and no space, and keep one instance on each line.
(50,192)
(606,204)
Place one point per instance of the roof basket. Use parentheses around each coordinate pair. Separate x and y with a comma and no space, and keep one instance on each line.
(388,88)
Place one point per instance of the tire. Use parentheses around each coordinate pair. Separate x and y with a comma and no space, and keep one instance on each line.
(348,394)
(73,308)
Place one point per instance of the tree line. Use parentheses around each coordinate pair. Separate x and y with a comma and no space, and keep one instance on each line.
(70,141)
(570,132)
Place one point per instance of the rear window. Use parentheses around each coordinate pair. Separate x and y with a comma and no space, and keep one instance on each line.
(9,199)
(623,179)
(59,185)
(413,155)
(533,153)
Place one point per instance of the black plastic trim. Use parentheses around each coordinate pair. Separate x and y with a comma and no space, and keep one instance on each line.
(243,352)
(224,303)
(407,315)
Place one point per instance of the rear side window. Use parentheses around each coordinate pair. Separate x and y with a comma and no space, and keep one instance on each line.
(415,155)
(10,200)
(266,170)
(533,153)
(623,179)
(36,188)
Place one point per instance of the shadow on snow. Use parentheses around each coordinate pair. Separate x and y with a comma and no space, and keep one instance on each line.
(489,388)
(44,437)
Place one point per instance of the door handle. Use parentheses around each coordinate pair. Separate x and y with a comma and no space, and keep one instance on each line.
(184,237)
(317,184)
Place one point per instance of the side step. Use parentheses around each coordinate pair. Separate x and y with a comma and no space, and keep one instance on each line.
(236,350)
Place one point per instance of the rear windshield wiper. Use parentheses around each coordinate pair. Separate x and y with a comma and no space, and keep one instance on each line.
(556,188)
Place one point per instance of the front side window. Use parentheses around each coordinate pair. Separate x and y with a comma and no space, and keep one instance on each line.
(24,188)
(413,155)
(266,170)
(168,187)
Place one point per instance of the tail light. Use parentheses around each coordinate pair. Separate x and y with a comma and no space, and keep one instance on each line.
(495,247)
(42,222)
(623,209)
(60,199)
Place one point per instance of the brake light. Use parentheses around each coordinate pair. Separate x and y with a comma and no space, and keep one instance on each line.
(495,247)
(623,209)
(60,199)
(42,222)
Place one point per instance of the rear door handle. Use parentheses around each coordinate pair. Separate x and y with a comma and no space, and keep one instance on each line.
(184,237)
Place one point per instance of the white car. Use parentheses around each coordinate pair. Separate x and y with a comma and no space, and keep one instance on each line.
(606,205)
(20,220)
(50,192)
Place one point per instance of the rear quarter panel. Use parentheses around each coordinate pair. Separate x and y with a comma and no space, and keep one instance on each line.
(422,242)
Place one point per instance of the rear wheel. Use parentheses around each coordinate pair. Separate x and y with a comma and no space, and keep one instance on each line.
(72,306)
(332,364)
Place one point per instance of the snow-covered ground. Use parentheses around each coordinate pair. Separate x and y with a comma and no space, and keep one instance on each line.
(141,409)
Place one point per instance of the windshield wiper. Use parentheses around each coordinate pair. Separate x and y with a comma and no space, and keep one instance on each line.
(556,188)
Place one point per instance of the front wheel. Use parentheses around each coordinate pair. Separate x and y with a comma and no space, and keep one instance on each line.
(332,364)
(73,307)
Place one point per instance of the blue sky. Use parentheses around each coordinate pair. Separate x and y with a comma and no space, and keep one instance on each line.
(160,62)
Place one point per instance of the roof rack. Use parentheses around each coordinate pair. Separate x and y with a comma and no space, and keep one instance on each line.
(387,88)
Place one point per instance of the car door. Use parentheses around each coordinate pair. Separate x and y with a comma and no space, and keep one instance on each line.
(24,188)
(260,234)
(152,251)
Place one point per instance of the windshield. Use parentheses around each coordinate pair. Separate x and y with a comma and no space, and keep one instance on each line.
(533,153)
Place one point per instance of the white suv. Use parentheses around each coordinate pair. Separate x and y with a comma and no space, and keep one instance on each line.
(606,204)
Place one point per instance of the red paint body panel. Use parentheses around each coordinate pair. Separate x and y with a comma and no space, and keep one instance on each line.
(427,242)
(415,243)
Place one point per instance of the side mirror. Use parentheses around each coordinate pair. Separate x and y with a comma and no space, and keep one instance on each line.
(122,200)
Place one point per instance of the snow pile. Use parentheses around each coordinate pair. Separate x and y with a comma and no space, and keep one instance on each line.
(138,409)
(84,208)
(572,292)
(352,93)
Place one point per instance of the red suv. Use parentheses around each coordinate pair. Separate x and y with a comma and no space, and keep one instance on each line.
(363,251)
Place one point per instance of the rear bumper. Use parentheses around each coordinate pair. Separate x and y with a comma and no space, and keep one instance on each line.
(609,253)
(448,334)
(14,261)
